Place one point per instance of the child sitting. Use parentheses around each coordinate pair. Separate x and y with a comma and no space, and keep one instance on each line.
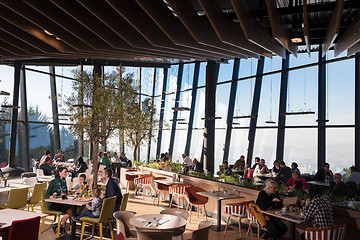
(82,184)
(94,208)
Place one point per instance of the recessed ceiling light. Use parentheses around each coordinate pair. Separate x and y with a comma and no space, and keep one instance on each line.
(296,40)
(48,33)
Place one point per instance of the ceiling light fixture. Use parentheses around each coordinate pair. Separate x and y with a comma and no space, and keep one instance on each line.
(48,33)
(3,93)
(296,40)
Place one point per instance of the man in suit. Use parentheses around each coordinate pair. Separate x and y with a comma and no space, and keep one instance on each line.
(112,187)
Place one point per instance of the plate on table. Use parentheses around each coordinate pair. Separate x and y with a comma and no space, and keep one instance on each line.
(83,199)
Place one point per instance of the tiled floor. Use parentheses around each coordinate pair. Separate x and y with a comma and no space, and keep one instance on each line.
(140,206)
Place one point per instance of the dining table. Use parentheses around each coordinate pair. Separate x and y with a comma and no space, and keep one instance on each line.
(7,216)
(219,196)
(75,204)
(319,183)
(292,217)
(157,222)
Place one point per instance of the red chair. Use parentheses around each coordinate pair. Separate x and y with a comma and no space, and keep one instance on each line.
(129,178)
(25,229)
(178,191)
(120,236)
(195,199)
(250,173)
(335,232)
(237,210)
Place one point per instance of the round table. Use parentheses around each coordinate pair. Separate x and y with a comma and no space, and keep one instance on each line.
(165,222)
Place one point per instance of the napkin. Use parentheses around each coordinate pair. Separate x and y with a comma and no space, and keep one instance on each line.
(140,219)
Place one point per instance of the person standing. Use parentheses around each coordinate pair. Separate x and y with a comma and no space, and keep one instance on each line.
(112,187)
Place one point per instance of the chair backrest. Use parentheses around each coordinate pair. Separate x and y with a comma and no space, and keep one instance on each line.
(124,201)
(44,205)
(192,196)
(17,198)
(101,168)
(129,177)
(75,181)
(144,179)
(178,188)
(69,183)
(176,212)
(25,229)
(251,215)
(40,172)
(237,209)
(88,173)
(335,232)
(120,236)
(160,186)
(202,233)
(154,235)
(107,209)
(123,224)
(250,173)
(30,180)
(36,195)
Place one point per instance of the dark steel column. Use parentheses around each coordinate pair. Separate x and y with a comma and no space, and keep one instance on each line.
(357,110)
(152,102)
(24,138)
(192,108)
(231,107)
(282,108)
(177,99)
(162,110)
(139,99)
(14,117)
(209,130)
(57,144)
(321,111)
(255,110)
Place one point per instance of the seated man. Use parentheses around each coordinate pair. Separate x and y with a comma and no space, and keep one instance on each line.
(240,164)
(257,160)
(197,166)
(323,173)
(354,177)
(112,187)
(284,174)
(225,169)
(338,187)
(261,168)
(318,209)
(187,163)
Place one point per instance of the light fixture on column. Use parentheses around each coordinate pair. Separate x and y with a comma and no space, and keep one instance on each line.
(177,120)
(4,93)
(300,112)
(82,106)
(245,116)
(9,106)
(181,109)
(211,118)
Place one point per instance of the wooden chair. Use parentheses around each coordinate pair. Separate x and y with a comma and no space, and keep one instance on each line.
(17,199)
(36,195)
(105,217)
(195,199)
(129,178)
(335,232)
(202,233)
(25,229)
(123,225)
(124,201)
(178,191)
(143,182)
(237,210)
(45,210)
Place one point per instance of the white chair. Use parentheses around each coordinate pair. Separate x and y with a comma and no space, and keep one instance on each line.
(335,232)
(88,173)
(237,210)
(75,181)
(40,172)
(30,181)
(69,183)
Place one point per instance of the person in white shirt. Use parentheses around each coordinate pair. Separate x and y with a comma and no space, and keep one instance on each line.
(261,168)
(115,158)
(354,177)
(187,161)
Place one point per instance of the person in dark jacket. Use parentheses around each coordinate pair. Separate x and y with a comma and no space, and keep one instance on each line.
(269,199)
(82,166)
(197,166)
(112,187)
(338,187)
(323,173)
(284,174)
(46,167)
(257,160)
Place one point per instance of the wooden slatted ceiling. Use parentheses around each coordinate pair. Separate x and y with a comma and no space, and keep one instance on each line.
(159,29)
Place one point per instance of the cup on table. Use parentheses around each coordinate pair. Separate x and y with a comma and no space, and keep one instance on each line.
(283,210)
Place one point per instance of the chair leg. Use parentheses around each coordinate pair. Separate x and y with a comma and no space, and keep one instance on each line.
(101,231)
(111,230)
(58,225)
(198,210)
(127,187)
(205,212)
(227,224)
(190,212)
(136,189)
(247,234)
(240,226)
(187,208)
(159,199)
(172,198)
(93,230)
(82,230)
(42,224)
(258,232)
(32,207)
(28,206)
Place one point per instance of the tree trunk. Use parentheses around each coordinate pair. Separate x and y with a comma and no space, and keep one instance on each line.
(135,153)
(95,162)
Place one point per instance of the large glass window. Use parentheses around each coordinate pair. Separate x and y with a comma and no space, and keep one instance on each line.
(222,104)
(265,145)
(238,144)
(225,71)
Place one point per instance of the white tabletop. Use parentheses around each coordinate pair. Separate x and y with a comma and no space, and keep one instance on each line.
(8,215)
(12,186)
(220,195)
(67,201)
(167,181)
(45,178)
(165,222)
(137,173)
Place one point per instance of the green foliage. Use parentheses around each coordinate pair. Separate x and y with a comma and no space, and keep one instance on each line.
(347,172)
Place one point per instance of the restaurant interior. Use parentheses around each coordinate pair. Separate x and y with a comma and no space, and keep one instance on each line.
(180,119)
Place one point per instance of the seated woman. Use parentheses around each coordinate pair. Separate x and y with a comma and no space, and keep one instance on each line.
(82,166)
(58,188)
(269,199)
(295,175)
(47,167)
(276,168)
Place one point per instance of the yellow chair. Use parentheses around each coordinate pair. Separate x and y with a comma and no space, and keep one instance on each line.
(36,195)
(45,210)
(105,217)
(17,199)
(124,201)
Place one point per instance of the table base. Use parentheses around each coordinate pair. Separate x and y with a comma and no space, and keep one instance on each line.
(220,228)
